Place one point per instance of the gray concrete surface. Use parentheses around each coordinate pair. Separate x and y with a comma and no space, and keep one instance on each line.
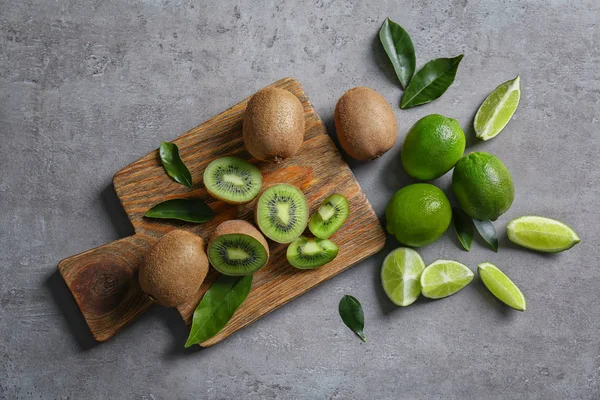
(87,87)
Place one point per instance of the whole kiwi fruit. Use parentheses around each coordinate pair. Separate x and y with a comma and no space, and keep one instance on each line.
(174,268)
(273,126)
(365,123)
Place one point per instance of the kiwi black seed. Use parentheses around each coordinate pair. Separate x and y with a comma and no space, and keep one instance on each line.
(308,253)
(282,213)
(232,180)
(330,216)
(174,268)
(365,123)
(237,248)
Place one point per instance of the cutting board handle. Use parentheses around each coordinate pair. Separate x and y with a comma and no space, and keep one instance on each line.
(105,285)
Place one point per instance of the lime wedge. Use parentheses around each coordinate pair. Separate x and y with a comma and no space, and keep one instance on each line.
(497,109)
(400,275)
(501,286)
(541,234)
(443,278)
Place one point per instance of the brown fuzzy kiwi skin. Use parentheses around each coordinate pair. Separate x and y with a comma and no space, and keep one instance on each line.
(273,127)
(239,226)
(174,268)
(365,123)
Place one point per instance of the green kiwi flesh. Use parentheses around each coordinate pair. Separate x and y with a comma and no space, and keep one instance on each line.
(282,213)
(330,216)
(237,254)
(308,253)
(232,180)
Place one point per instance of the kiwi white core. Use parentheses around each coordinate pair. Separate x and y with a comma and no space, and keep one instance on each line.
(283,213)
(326,212)
(237,254)
(234,180)
(311,248)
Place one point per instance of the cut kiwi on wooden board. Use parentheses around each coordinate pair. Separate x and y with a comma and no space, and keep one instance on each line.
(237,248)
(330,216)
(282,213)
(309,253)
(232,180)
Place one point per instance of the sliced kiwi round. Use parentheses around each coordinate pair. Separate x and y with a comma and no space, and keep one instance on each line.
(237,248)
(282,213)
(232,180)
(330,216)
(308,253)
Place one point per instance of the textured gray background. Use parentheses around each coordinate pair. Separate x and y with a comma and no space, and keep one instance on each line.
(87,87)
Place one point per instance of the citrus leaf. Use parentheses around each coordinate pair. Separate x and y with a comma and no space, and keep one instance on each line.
(352,314)
(463,226)
(430,82)
(169,155)
(218,306)
(400,50)
(189,210)
(488,233)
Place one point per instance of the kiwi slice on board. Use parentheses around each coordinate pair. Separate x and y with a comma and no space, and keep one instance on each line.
(232,180)
(308,253)
(330,216)
(282,213)
(237,248)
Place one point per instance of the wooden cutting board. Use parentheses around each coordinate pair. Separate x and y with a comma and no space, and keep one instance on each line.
(104,280)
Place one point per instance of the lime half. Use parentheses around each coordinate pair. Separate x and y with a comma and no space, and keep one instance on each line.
(541,234)
(400,275)
(497,109)
(501,286)
(443,278)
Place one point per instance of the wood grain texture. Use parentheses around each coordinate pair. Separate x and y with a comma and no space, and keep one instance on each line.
(105,285)
(318,170)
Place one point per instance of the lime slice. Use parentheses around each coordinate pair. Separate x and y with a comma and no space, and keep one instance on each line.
(497,109)
(400,275)
(541,234)
(443,278)
(501,286)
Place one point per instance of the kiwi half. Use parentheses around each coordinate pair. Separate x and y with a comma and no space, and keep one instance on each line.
(308,253)
(232,180)
(330,216)
(237,248)
(282,213)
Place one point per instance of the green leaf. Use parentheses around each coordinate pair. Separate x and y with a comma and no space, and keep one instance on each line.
(463,226)
(189,210)
(430,82)
(218,306)
(352,314)
(169,155)
(399,48)
(488,233)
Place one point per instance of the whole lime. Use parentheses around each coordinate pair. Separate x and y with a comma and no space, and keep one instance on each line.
(432,147)
(418,214)
(483,186)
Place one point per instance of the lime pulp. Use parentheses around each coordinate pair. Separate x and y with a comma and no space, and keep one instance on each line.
(400,276)
(444,278)
(501,286)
